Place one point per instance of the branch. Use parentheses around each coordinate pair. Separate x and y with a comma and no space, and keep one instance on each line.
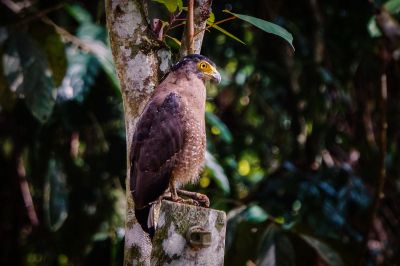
(190,27)
(67,36)
(319,44)
(202,10)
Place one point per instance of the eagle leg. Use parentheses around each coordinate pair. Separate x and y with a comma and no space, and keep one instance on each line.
(194,198)
(201,199)
(174,194)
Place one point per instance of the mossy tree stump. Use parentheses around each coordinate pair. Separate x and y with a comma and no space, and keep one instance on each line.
(189,235)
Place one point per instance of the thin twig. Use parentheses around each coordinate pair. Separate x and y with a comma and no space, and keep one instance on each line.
(190,25)
(40,14)
(383,136)
(380,184)
(172,20)
(17,9)
(213,24)
(67,36)
(25,192)
(177,25)
(180,19)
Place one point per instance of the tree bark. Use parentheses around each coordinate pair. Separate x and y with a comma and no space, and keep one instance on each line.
(140,61)
(188,235)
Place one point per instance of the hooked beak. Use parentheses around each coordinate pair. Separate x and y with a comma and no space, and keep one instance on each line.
(215,76)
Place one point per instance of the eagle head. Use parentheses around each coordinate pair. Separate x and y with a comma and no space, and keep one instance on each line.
(202,66)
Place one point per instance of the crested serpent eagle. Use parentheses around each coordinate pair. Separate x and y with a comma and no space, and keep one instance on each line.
(169,143)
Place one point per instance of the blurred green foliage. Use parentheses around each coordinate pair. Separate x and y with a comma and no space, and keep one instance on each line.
(293,153)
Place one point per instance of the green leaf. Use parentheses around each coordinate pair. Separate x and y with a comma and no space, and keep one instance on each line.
(81,73)
(373,29)
(211,18)
(249,214)
(55,195)
(51,44)
(214,120)
(7,98)
(275,248)
(78,13)
(171,5)
(324,251)
(180,5)
(234,218)
(90,31)
(94,37)
(225,32)
(393,6)
(219,175)
(242,238)
(82,66)
(3,35)
(28,75)
(266,26)
(175,42)
(256,214)
(103,54)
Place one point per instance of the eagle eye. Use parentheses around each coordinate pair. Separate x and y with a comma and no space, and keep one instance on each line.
(203,66)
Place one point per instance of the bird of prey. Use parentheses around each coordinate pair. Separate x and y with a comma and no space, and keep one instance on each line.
(168,146)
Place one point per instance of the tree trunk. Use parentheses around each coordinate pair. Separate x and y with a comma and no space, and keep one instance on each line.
(140,61)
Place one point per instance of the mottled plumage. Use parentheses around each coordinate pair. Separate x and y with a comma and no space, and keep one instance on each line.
(168,146)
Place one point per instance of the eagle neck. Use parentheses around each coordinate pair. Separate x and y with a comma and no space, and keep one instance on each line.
(189,87)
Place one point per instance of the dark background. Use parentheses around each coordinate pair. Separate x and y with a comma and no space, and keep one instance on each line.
(298,134)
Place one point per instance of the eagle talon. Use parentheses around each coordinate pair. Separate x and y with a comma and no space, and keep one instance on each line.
(182,200)
(190,202)
(201,199)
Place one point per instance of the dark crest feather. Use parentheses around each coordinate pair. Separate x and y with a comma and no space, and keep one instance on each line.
(192,57)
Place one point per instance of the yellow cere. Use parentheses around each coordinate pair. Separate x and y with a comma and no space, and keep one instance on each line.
(205,67)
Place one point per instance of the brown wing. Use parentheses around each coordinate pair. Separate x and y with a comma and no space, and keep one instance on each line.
(158,137)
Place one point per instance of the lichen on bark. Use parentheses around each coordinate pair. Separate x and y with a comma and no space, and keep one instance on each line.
(170,245)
